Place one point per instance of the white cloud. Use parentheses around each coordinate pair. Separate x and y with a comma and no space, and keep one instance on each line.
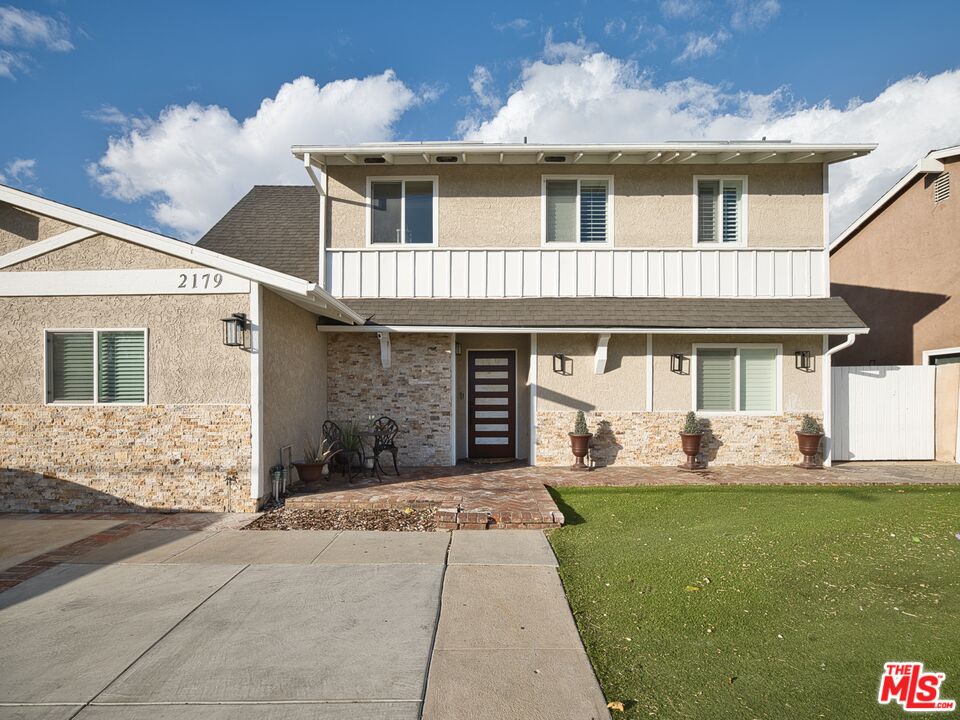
(481,83)
(9,62)
(515,24)
(681,9)
(599,98)
(700,45)
(753,14)
(193,162)
(22,173)
(24,28)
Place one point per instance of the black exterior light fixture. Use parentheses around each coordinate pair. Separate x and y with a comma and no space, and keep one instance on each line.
(235,330)
(562,365)
(803,360)
(676,363)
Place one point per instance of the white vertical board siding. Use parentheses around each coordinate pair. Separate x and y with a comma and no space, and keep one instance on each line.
(480,273)
(883,412)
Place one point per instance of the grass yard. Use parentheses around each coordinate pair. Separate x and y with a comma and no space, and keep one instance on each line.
(762,602)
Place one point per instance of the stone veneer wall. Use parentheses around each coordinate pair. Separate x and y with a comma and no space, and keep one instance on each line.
(78,458)
(651,438)
(414,391)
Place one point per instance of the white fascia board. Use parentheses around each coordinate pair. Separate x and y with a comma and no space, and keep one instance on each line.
(170,246)
(591,331)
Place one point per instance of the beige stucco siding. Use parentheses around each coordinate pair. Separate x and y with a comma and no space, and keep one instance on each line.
(186,359)
(294,377)
(900,273)
(102,252)
(499,206)
(19,228)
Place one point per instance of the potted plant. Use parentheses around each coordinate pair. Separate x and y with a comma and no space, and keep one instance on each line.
(690,438)
(808,437)
(316,454)
(580,441)
(352,443)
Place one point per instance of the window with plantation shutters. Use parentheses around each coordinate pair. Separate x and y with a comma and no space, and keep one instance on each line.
(737,378)
(719,214)
(758,379)
(716,380)
(576,210)
(96,366)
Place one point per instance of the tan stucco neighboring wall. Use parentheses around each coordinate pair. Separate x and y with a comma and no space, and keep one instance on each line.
(947,407)
(499,206)
(102,252)
(187,361)
(520,343)
(294,377)
(900,273)
(19,228)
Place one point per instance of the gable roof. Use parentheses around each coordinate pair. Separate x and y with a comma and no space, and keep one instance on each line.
(303,292)
(274,226)
(930,163)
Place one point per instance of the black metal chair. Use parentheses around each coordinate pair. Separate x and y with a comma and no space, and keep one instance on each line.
(333,434)
(386,431)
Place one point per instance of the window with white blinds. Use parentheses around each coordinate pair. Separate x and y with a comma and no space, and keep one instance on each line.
(719,214)
(97,366)
(737,379)
(576,210)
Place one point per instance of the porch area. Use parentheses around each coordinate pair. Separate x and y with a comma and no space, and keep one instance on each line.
(514,495)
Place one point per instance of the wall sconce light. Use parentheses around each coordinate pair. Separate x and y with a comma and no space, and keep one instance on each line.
(562,365)
(234,330)
(458,348)
(676,363)
(803,359)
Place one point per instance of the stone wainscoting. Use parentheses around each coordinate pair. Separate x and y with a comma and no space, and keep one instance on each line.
(414,390)
(651,438)
(90,458)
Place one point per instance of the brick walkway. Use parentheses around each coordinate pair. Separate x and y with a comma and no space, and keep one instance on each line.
(514,496)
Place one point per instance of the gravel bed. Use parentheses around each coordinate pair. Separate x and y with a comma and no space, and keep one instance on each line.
(405,519)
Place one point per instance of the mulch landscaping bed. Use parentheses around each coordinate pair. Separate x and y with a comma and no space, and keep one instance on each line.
(406,519)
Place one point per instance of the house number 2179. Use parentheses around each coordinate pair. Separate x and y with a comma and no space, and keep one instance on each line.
(200,281)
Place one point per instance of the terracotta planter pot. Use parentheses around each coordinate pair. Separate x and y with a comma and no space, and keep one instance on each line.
(310,473)
(690,442)
(809,447)
(580,446)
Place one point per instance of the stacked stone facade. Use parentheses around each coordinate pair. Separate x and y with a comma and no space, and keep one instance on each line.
(652,438)
(415,390)
(59,458)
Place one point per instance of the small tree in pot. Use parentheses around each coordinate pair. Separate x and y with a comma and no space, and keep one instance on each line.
(316,454)
(580,441)
(690,438)
(808,437)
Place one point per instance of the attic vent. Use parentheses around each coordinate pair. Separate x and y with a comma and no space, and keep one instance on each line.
(446,158)
(941,187)
(377,160)
(555,158)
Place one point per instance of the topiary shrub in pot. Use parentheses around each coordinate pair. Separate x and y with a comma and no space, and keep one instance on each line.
(808,437)
(580,441)
(690,437)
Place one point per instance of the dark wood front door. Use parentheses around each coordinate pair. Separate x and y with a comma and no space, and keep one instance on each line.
(492,403)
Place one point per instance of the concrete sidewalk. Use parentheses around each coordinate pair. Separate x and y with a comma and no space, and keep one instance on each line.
(173,623)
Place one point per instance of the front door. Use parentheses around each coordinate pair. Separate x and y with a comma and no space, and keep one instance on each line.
(492,403)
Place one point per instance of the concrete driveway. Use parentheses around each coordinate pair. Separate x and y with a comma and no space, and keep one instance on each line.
(174,623)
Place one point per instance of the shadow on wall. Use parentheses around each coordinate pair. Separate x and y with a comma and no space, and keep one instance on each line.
(710,444)
(891,316)
(17,222)
(604,448)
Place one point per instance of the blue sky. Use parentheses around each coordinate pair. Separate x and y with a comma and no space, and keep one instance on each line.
(138,110)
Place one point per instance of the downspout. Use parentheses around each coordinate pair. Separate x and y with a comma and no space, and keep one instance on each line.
(828,353)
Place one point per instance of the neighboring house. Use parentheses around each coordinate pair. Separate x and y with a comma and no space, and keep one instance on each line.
(479,294)
(898,267)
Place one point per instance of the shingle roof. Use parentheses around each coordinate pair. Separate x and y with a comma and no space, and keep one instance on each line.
(721,313)
(274,226)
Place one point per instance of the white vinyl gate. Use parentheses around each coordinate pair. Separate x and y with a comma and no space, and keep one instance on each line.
(883,412)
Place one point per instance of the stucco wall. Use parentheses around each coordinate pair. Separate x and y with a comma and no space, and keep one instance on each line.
(900,273)
(102,252)
(19,228)
(414,391)
(520,343)
(294,377)
(499,206)
(947,402)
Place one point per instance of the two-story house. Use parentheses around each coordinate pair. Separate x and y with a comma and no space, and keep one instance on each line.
(479,294)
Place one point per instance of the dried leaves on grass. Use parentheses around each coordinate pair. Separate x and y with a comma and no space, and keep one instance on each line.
(405,519)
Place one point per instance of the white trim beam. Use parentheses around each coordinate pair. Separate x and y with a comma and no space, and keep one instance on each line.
(600,357)
(385,349)
(42,247)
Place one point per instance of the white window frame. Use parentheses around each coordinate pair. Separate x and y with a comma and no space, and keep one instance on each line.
(928,355)
(96,365)
(403,180)
(695,370)
(579,244)
(719,244)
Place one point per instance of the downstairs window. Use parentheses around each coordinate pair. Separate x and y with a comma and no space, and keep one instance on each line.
(737,378)
(96,366)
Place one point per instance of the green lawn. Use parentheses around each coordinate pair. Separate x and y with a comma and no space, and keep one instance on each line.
(761,602)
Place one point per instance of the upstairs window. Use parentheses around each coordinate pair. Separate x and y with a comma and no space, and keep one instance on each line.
(731,379)
(577,210)
(403,211)
(719,210)
(97,366)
